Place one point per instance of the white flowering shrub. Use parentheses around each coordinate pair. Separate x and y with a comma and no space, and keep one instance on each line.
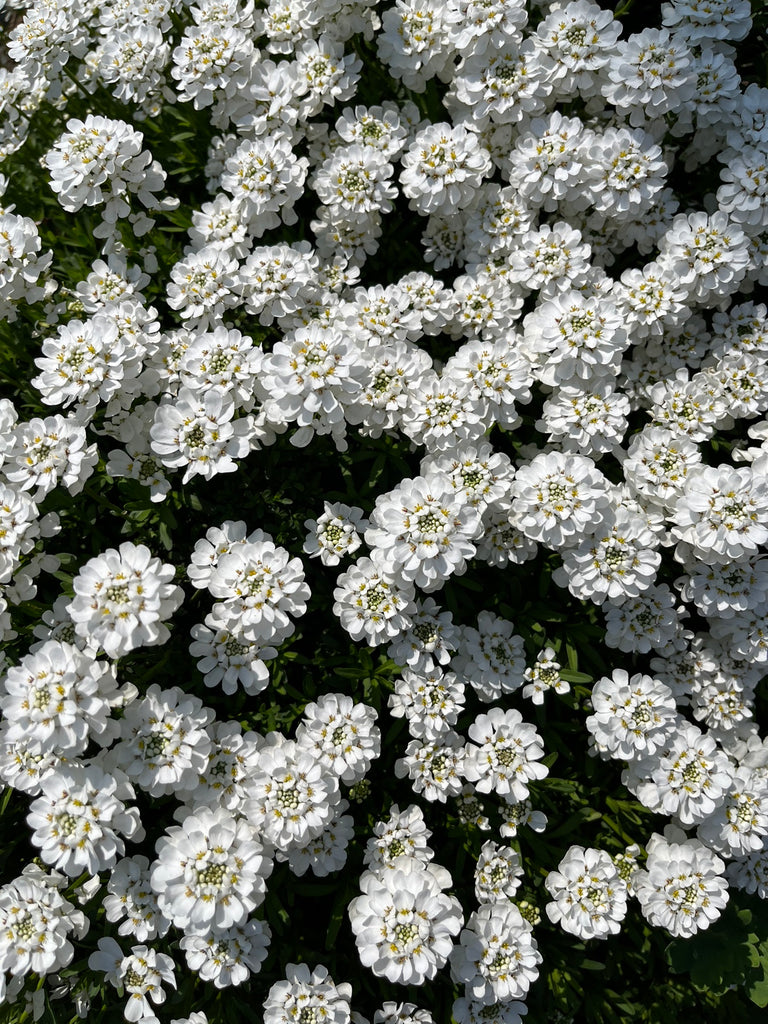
(383,511)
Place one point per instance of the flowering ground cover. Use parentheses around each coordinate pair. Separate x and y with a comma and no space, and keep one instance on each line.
(383,511)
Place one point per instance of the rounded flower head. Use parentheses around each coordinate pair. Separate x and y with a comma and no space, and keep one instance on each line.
(80,820)
(341,734)
(723,511)
(497,957)
(442,168)
(682,887)
(559,498)
(260,586)
(57,699)
(121,598)
(633,718)
(210,871)
(404,922)
(292,794)
(590,898)
(305,996)
(424,530)
(35,924)
(690,779)
(164,745)
(504,754)
(372,601)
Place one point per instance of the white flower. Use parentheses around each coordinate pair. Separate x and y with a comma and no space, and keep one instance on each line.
(80,820)
(626,173)
(101,160)
(522,813)
(498,873)
(435,767)
(745,188)
(690,778)
(544,675)
(497,957)
(231,762)
(491,658)
(19,528)
(702,21)
(750,873)
(443,413)
(404,921)
(503,755)
(292,794)
(705,253)
(394,372)
(164,747)
(649,621)
(265,179)
(212,61)
(428,641)
(498,374)
(259,585)
(402,1013)
(559,498)
(404,833)
(551,258)
(44,453)
(335,532)
(723,512)
(86,363)
(229,659)
(327,72)
(620,560)
(35,925)
(57,699)
(478,473)
(210,871)
(277,280)
(141,973)
(589,896)
(739,826)
(203,286)
(309,379)
(218,541)
(430,703)
(357,180)
(424,530)
(340,734)
(372,601)
(305,996)
(499,85)
(546,165)
(650,75)
(682,887)
(121,598)
(473,1011)
(221,359)
(577,338)
(574,44)
(442,168)
(327,852)
(657,463)
(130,896)
(381,127)
(415,40)
(633,717)
(228,956)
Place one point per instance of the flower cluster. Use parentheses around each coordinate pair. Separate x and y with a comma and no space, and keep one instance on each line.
(460,300)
